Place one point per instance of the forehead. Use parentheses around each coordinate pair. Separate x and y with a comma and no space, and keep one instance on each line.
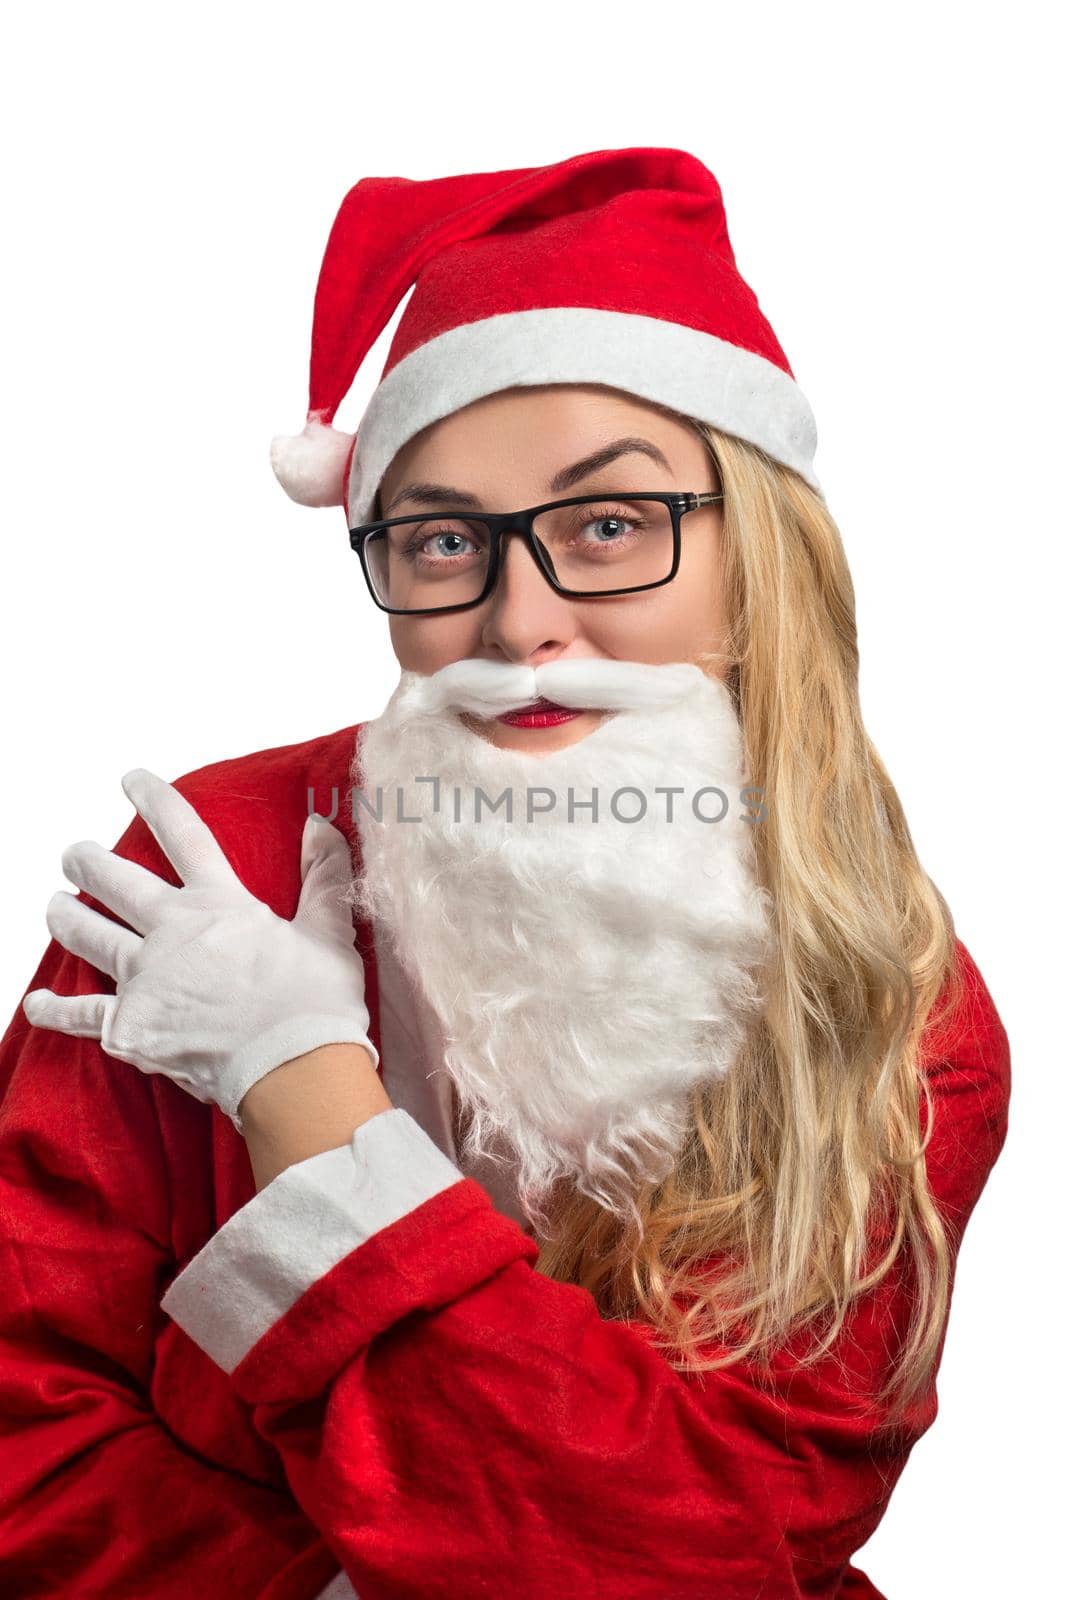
(541,420)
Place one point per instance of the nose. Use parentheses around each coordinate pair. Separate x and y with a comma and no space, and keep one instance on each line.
(524,613)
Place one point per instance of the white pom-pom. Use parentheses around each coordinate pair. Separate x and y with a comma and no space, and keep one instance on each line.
(310,466)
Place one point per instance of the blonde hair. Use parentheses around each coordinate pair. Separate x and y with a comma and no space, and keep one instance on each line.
(811,1148)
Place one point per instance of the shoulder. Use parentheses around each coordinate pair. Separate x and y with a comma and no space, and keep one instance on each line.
(966,1057)
(256,806)
(280,781)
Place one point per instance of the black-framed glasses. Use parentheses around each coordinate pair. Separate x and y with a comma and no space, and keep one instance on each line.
(449,560)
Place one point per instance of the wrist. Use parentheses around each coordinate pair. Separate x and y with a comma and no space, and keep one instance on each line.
(312,1103)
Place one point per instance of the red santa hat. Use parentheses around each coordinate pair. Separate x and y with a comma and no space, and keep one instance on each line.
(611,267)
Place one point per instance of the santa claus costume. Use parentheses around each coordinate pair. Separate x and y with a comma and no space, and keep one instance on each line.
(354,1381)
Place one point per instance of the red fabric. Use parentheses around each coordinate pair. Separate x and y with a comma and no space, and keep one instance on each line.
(480,244)
(433,1414)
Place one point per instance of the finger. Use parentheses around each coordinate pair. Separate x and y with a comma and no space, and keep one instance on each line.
(82,1015)
(105,944)
(179,829)
(326,872)
(134,893)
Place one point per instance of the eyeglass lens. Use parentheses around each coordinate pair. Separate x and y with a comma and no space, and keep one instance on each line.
(600,544)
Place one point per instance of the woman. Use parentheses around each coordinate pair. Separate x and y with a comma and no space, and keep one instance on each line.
(740,1081)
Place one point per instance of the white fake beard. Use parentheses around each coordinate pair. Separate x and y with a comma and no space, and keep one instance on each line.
(587,974)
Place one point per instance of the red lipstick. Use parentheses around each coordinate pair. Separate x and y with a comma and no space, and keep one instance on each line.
(540,714)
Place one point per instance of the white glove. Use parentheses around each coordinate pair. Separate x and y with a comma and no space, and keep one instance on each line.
(213,989)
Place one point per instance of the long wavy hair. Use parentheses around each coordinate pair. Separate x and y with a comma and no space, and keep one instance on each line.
(811,1149)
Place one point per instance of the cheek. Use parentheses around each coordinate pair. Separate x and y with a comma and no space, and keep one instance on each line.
(426,644)
(677,622)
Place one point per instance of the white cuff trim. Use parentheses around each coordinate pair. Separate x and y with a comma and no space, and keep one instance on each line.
(298,1227)
(338,1588)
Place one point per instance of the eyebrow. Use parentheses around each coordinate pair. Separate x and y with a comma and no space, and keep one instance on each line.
(429,494)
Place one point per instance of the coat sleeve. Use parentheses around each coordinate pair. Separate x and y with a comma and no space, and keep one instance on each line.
(449,1417)
(97,1495)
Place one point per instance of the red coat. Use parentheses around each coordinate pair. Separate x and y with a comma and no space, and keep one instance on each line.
(383,1384)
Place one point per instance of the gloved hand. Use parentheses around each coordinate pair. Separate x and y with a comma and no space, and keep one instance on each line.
(213,989)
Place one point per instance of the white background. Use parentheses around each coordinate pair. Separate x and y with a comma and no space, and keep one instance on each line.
(894,190)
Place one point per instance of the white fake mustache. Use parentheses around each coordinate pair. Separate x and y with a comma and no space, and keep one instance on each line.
(487,688)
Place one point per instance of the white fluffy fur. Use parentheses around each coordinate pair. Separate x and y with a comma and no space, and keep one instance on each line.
(310,466)
(587,973)
(486,688)
(692,372)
